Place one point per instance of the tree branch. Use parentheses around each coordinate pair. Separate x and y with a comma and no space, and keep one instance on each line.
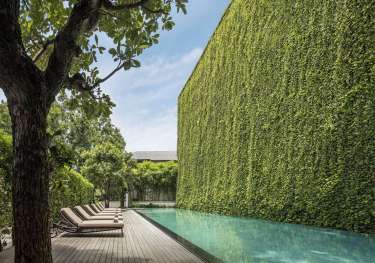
(10,33)
(77,81)
(107,4)
(18,72)
(159,11)
(100,81)
(42,50)
(83,18)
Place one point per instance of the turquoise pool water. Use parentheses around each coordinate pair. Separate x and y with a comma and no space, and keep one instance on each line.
(238,239)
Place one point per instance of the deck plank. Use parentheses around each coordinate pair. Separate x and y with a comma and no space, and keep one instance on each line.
(142,242)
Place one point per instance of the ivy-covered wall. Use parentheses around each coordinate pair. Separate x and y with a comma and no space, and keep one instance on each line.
(277,120)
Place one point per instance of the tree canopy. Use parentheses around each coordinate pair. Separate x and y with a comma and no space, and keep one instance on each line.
(155,177)
(68,36)
(104,165)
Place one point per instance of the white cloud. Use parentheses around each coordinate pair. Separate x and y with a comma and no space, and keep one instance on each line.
(146,100)
(157,133)
(156,71)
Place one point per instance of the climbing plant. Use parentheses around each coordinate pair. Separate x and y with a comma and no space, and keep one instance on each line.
(278,119)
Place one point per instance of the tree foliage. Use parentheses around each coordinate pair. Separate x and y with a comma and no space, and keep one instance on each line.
(73,130)
(155,176)
(131,27)
(278,119)
(104,166)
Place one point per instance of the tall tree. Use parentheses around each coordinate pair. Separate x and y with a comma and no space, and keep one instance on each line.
(47,46)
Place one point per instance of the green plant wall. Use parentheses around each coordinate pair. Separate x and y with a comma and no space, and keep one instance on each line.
(277,120)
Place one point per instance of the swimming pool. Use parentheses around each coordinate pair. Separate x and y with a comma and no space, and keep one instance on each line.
(238,239)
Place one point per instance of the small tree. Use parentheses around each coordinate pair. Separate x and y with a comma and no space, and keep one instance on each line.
(104,166)
(125,178)
(48,46)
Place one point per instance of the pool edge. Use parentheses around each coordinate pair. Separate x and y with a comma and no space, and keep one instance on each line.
(199,252)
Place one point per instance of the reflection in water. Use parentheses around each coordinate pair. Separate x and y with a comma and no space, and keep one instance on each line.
(238,239)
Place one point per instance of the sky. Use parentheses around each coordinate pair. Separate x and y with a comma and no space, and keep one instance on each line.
(146,97)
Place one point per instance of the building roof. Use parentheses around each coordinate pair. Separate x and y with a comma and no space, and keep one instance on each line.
(155,155)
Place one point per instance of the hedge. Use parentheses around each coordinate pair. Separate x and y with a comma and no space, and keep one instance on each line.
(5,191)
(69,188)
(277,120)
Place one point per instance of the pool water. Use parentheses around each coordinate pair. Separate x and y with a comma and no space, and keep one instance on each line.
(239,239)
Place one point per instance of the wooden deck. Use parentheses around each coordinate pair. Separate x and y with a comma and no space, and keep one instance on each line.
(142,242)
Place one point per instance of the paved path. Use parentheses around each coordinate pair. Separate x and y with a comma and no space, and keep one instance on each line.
(142,242)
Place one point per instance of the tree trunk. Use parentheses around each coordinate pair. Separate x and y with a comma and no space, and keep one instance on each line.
(130,195)
(106,196)
(30,179)
(130,198)
(122,198)
(93,195)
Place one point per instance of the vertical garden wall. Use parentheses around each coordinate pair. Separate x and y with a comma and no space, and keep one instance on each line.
(277,120)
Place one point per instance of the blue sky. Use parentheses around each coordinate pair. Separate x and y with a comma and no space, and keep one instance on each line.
(146,97)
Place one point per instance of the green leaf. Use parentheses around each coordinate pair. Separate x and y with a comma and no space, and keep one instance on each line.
(127,65)
(136,63)
(112,51)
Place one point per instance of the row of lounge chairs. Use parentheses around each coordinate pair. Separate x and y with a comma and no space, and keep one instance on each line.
(90,218)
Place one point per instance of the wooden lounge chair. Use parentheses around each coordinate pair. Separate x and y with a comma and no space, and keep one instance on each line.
(86,216)
(91,212)
(72,223)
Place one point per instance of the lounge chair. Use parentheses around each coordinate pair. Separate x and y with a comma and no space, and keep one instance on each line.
(72,223)
(98,210)
(91,212)
(102,208)
(86,216)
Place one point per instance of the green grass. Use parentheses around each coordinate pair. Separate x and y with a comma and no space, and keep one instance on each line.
(278,119)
